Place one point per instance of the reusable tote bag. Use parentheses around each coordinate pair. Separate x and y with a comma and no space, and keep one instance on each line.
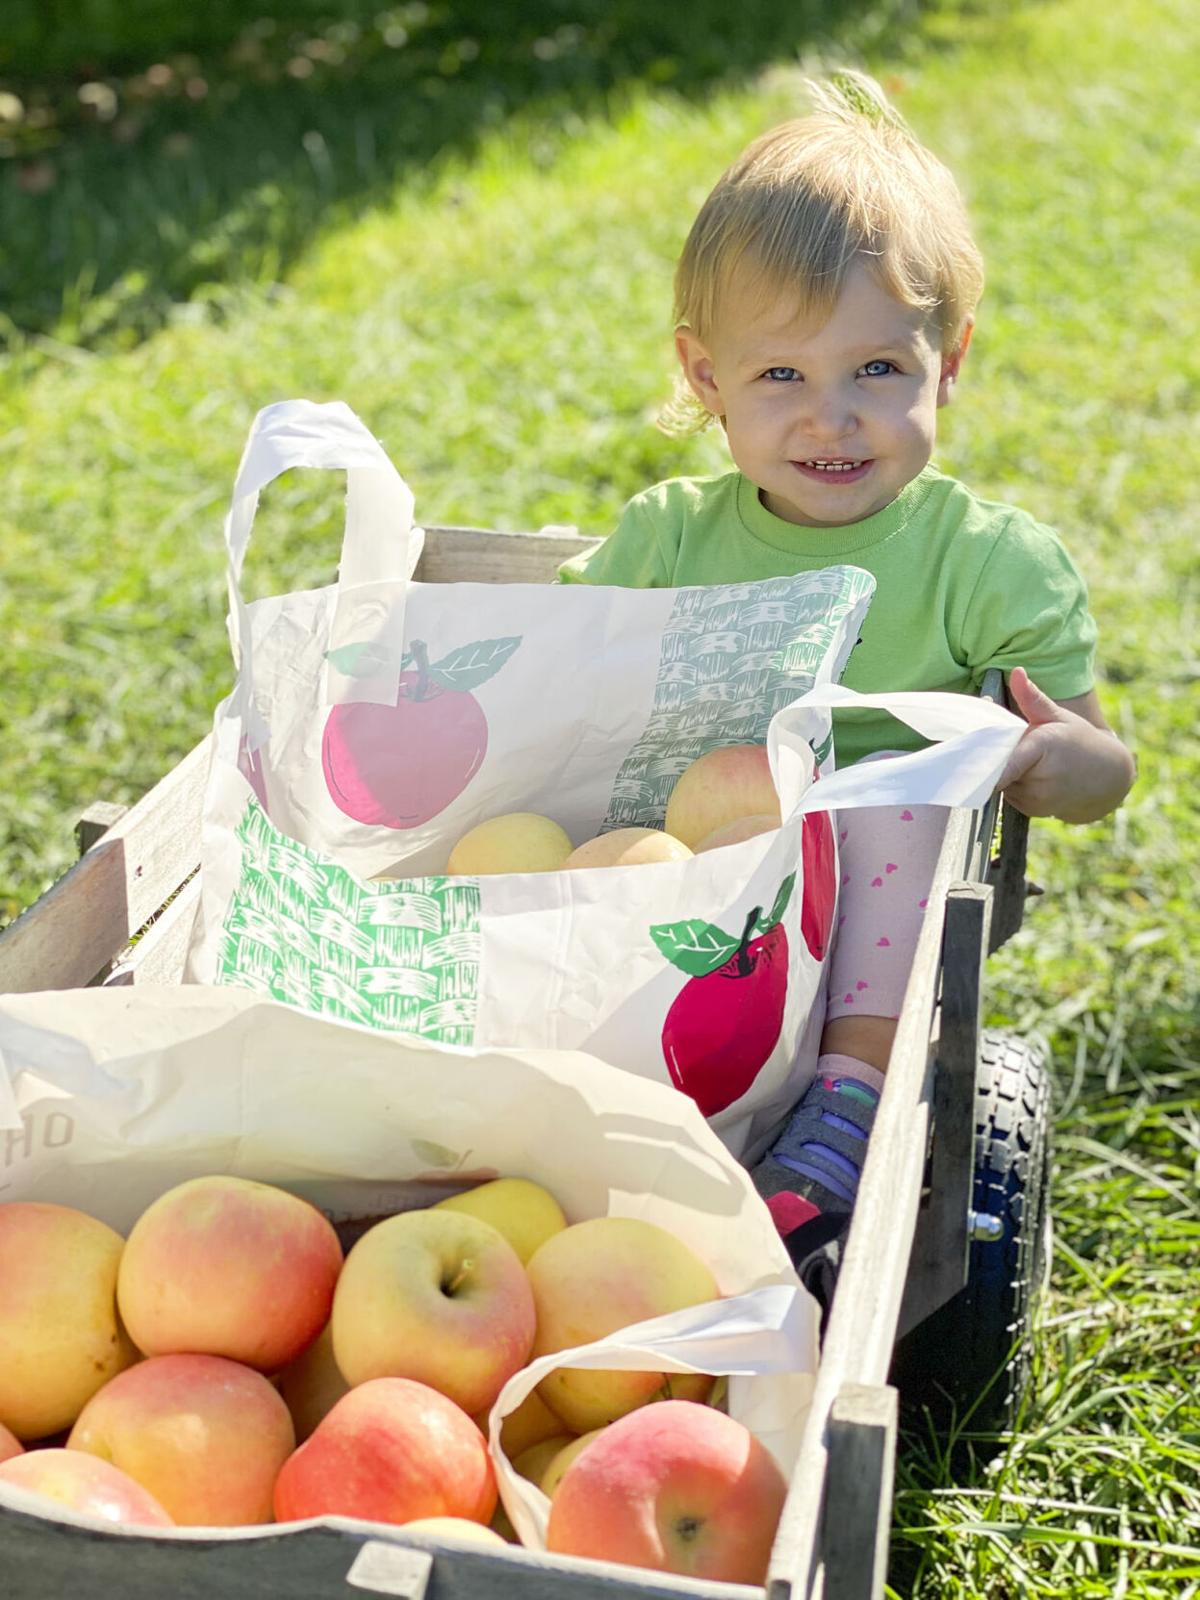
(374,722)
(109,1097)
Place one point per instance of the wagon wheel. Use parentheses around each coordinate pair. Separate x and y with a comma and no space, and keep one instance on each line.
(968,1364)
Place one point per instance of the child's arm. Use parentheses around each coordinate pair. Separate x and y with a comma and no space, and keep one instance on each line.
(1070,764)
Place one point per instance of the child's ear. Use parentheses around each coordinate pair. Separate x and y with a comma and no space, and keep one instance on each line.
(697,367)
(951,364)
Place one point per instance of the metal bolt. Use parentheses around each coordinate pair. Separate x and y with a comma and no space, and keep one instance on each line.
(984,1228)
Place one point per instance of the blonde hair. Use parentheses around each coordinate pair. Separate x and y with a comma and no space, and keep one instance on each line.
(805,201)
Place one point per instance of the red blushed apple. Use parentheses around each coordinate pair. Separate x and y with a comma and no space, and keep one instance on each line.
(723,1026)
(205,1436)
(390,1451)
(86,1483)
(10,1445)
(675,1487)
(819,859)
(228,1267)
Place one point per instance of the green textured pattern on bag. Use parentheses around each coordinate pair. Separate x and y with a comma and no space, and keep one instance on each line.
(732,656)
(400,955)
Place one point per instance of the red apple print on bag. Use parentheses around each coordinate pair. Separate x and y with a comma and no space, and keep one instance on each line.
(819,860)
(397,766)
(725,1022)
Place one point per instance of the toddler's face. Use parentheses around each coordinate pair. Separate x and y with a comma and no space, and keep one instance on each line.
(829,421)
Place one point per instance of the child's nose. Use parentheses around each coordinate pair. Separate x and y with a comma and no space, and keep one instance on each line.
(828,416)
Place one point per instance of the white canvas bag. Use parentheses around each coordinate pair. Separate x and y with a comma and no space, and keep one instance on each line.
(109,1097)
(372,723)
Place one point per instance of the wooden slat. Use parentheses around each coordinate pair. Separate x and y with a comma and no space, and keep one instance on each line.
(480,555)
(45,1559)
(858,1491)
(160,953)
(862,1324)
(88,917)
(938,1267)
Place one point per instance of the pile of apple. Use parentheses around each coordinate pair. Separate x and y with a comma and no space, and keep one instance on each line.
(725,796)
(227,1365)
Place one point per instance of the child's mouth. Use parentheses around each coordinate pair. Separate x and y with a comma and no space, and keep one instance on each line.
(833,469)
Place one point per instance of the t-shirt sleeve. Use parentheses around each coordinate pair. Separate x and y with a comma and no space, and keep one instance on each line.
(632,556)
(1029,608)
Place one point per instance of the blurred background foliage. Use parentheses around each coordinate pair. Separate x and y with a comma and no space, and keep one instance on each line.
(151,150)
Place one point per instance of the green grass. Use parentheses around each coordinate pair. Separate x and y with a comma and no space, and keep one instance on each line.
(500,320)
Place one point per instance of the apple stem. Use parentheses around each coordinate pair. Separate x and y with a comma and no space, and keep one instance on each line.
(459,1278)
(421,656)
(743,960)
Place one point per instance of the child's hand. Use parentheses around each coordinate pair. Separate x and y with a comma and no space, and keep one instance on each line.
(1069,764)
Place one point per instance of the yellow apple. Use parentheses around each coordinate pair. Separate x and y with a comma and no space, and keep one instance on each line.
(719,787)
(555,1472)
(435,1296)
(675,1488)
(529,1424)
(628,847)
(455,1528)
(60,1334)
(312,1385)
(519,841)
(595,1278)
(736,831)
(524,1212)
(533,1462)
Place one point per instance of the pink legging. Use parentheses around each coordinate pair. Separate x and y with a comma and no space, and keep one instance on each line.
(886,856)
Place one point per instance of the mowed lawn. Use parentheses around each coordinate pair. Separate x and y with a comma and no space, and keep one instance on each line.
(502,324)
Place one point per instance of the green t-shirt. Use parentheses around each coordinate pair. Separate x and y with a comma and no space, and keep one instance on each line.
(963,584)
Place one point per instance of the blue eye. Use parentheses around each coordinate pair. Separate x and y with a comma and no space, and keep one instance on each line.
(781,374)
(879,369)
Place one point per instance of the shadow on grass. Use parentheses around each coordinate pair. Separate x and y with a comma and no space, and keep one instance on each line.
(145,166)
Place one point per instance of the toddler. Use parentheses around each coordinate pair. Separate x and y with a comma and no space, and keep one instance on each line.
(824,303)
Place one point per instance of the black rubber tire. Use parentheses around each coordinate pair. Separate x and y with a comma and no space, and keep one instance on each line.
(968,1364)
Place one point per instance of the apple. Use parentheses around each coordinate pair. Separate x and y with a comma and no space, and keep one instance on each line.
(11,1446)
(206,1436)
(719,787)
(437,1296)
(724,1023)
(675,1487)
(85,1483)
(556,1470)
(595,1278)
(532,1463)
(455,1528)
(312,1384)
(398,766)
(227,1267)
(524,1212)
(818,856)
(390,1451)
(529,1424)
(519,841)
(628,847)
(60,1333)
(735,832)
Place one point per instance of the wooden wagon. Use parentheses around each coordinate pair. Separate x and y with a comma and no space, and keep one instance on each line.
(934,1289)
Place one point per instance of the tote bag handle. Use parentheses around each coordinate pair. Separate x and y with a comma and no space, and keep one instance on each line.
(379,547)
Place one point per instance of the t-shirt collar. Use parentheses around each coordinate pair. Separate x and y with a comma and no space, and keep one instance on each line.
(797,539)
